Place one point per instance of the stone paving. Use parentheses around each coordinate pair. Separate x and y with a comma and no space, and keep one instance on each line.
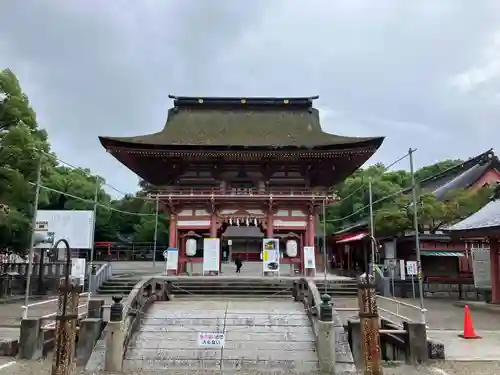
(260,335)
(445,322)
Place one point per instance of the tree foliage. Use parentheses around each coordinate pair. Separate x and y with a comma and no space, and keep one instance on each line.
(23,145)
(393,209)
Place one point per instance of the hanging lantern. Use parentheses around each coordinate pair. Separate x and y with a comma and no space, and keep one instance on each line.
(191,247)
(246,222)
(254,222)
(230,221)
(238,222)
(291,248)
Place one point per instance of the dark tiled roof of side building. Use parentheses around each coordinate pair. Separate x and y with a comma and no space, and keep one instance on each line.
(461,176)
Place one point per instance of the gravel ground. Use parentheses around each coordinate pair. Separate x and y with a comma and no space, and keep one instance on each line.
(44,367)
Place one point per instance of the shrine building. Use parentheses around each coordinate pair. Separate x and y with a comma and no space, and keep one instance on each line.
(242,168)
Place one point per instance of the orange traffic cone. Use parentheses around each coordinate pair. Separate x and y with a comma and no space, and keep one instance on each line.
(469,332)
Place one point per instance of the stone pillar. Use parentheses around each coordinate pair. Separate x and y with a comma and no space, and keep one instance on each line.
(416,343)
(495,270)
(115,338)
(66,319)
(90,330)
(368,316)
(95,308)
(356,341)
(326,337)
(31,339)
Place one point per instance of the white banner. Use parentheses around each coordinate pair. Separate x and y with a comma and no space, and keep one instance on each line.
(211,254)
(271,255)
(172,259)
(309,257)
(213,340)
(78,269)
(402,270)
(75,226)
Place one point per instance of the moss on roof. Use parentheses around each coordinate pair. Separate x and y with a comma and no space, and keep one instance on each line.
(245,126)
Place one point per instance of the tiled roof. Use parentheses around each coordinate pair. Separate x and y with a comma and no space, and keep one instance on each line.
(486,217)
(257,122)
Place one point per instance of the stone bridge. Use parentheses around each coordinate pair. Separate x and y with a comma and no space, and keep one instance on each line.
(153,331)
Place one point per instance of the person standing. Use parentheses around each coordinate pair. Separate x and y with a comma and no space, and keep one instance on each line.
(238,263)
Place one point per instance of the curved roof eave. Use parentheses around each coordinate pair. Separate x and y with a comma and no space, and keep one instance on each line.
(131,143)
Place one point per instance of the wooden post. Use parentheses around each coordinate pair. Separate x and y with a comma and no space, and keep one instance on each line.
(66,320)
(368,316)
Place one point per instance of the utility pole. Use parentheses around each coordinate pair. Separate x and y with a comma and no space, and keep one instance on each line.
(33,232)
(371,271)
(92,249)
(417,236)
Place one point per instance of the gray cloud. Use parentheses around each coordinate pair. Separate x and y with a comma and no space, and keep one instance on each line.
(425,74)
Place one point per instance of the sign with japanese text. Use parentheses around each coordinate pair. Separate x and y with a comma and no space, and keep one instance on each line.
(214,340)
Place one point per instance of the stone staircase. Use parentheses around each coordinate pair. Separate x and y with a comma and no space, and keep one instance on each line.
(220,287)
(119,285)
(338,288)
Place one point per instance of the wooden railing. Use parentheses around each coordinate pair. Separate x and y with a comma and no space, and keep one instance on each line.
(244,192)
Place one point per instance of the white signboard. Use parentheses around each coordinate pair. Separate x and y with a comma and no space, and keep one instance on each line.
(172,259)
(74,226)
(481,265)
(309,257)
(411,268)
(78,269)
(211,254)
(271,255)
(212,340)
(402,271)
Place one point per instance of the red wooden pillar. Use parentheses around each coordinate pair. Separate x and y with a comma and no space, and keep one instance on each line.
(269,227)
(213,225)
(172,232)
(311,231)
(495,270)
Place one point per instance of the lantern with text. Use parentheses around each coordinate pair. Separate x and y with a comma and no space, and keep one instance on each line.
(191,247)
(291,248)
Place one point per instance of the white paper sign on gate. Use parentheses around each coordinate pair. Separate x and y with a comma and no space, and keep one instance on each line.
(215,340)
(411,268)
(309,257)
(211,255)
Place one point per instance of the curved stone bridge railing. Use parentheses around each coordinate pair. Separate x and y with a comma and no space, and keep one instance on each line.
(124,320)
(332,342)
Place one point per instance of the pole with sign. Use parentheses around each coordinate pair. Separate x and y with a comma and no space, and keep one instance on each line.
(412,270)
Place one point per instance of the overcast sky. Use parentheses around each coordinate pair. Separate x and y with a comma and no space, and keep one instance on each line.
(425,74)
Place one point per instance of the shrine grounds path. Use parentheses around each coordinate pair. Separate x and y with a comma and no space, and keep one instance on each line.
(44,366)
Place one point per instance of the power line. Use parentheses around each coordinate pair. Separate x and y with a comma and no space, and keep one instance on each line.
(91,201)
(364,185)
(88,173)
(399,192)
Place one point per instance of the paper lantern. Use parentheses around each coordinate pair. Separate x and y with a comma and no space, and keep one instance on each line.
(190,247)
(291,248)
